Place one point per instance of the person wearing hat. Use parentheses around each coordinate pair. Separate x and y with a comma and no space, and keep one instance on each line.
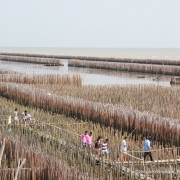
(147,148)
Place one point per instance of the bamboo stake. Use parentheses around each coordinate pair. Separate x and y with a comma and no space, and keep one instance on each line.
(2,150)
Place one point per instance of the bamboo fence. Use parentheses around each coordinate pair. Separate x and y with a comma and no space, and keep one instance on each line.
(55,135)
(36,60)
(160,100)
(75,80)
(119,117)
(50,141)
(37,165)
(128,67)
(6,71)
(105,59)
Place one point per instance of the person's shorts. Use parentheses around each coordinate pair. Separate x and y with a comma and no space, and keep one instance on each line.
(97,149)
(84,144)
(104,152)
(90,145)
(124,152)
(29,121)
(15,118)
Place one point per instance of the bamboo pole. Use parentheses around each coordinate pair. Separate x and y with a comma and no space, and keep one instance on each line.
(2,150)
(20,165)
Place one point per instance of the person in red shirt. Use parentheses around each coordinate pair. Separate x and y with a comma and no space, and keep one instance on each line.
(98,146)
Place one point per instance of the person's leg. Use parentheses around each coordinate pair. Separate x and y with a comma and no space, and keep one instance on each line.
(150,155)
(103,155)
(125,156)
(99,153)
(107,155)
(145,154)
(90,148)
(96,153)
(85,145)
(25,122)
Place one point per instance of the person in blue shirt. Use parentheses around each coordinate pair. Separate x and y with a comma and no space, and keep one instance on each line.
(147,148)
(124,148)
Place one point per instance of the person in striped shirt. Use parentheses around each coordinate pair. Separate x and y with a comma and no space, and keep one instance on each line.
(105,149)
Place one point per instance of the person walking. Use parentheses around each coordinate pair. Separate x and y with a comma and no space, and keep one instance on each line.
(105,149)
(15,116)
(24,116)
(147,148)
(98,147)
(89,142)
(29,120)
(124,149)
(84,139)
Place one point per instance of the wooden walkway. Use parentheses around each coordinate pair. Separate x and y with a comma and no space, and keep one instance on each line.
(163,161)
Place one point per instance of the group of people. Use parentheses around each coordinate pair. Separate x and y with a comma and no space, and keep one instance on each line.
(101,147)
(25,116)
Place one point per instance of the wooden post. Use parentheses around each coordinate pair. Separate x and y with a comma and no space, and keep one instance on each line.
(2,150)
(20,164)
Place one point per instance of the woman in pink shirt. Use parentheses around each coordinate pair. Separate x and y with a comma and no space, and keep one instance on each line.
(84,139)
(90,142)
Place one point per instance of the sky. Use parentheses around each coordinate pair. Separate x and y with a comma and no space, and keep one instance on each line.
(90,23)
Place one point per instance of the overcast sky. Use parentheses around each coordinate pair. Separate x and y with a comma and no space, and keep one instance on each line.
(90,23)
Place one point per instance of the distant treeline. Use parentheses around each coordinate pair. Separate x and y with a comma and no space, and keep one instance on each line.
(105,59)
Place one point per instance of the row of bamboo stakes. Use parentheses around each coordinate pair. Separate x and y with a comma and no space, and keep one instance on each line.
(119,117)
(37,165)
(61,140)
(6,71)
(53,151)
(105,59)
(66,79)
(35,60)
(128,67)
(49,124)
(160,100)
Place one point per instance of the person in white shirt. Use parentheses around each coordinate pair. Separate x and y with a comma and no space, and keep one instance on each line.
(124,148)
(105,149)
(24,116)
(29,120)
(15,116)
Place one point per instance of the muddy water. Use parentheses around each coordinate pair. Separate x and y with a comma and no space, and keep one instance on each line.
(90,76)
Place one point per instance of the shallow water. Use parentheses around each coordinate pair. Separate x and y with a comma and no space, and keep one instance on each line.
(95,76)
(90,76)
